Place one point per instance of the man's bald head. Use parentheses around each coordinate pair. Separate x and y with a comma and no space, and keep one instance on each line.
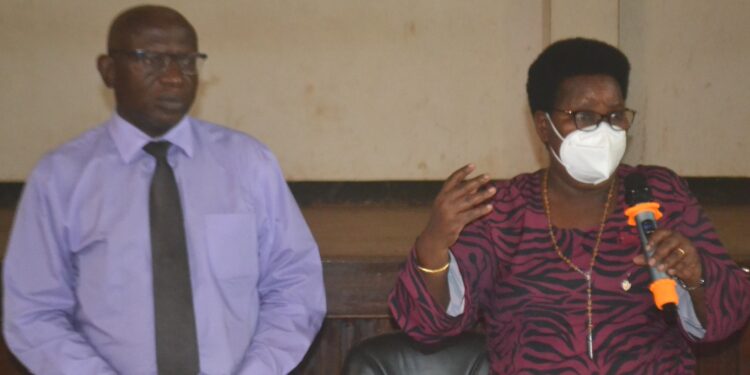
(152,90)
(133,20)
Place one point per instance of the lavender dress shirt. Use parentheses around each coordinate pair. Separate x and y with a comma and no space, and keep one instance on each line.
(78,295)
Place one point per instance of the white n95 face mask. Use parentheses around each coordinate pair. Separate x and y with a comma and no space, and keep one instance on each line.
(591,156)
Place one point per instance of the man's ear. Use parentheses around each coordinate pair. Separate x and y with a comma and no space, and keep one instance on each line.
(106,66)
(542,126)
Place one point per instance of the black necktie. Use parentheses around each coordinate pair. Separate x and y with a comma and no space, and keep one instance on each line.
(176,342)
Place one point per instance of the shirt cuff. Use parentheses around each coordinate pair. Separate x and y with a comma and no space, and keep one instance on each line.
(688,317)
(455,288)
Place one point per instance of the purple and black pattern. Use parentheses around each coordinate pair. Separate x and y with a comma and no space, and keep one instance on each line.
(534,306)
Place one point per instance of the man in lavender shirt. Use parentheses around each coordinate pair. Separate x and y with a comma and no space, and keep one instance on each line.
(78,275)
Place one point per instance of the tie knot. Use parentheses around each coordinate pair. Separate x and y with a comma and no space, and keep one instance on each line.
(158,149)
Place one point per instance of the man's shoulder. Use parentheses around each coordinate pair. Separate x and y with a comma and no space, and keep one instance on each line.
(230,141)
(61,167)
(79,150)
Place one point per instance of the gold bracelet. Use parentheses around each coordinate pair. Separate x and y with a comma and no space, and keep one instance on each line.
(436,270)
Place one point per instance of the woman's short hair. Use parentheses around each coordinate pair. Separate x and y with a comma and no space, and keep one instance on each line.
(569,58)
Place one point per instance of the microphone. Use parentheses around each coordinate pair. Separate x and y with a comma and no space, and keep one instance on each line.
(643,214)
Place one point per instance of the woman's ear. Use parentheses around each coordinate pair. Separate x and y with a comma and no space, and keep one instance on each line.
(541,123)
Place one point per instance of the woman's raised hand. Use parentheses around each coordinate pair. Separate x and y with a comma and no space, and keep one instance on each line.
(460,201)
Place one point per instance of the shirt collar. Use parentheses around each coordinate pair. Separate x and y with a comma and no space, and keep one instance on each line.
(130,140)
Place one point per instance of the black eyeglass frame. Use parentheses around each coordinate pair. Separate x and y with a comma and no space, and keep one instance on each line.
(157,62)
(628,115)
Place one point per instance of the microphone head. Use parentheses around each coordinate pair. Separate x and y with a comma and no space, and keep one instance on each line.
(636,189)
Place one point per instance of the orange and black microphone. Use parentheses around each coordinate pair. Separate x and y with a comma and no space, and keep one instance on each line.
(643,213)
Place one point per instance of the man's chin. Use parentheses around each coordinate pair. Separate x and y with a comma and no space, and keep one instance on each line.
(167,123)
(160,125)
(171,106)
(169,116)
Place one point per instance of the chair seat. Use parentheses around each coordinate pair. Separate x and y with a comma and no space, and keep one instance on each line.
(396,353)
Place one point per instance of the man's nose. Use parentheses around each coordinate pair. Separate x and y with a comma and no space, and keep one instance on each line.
(172,73)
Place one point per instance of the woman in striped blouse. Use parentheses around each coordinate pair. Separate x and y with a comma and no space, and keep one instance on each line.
(547,259)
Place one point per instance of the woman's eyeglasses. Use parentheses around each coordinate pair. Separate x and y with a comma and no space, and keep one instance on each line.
(589,120)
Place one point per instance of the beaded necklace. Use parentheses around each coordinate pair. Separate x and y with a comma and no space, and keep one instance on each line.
(586,274)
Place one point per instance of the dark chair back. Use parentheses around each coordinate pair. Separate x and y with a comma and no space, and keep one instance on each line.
(397,354)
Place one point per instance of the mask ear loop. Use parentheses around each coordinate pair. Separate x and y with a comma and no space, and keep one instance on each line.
(552,125)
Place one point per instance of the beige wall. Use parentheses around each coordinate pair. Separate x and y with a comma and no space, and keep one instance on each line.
(393,89)
(691,83)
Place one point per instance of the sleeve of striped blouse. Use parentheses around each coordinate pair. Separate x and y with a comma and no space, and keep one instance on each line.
(727,289)
(419,315)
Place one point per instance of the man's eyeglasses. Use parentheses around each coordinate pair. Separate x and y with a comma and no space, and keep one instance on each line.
(590,120)
(157,62)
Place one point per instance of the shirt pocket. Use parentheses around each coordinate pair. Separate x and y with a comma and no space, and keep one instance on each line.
(232,245)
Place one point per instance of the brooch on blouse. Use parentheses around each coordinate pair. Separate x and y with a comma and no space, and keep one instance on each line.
(625,284)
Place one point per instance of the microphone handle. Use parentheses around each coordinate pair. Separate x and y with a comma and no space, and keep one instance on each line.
(646,224)
(662,286)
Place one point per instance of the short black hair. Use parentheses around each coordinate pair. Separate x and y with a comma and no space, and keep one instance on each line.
(569,58)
